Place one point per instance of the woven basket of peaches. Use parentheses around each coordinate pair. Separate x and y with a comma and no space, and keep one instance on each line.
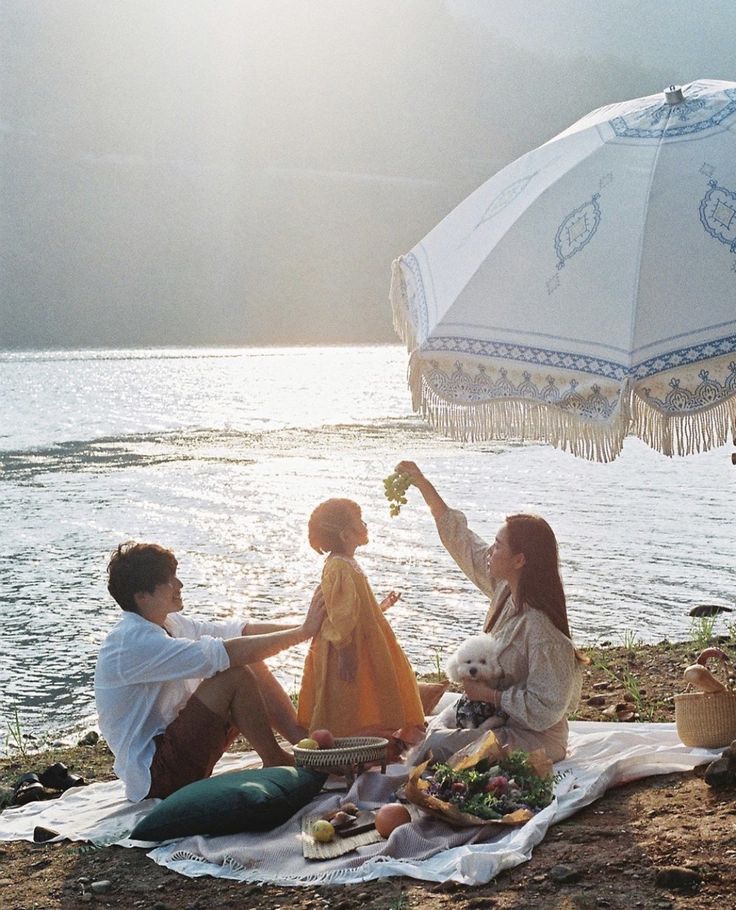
(322,751)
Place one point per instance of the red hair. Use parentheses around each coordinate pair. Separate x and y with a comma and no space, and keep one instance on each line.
(328,521)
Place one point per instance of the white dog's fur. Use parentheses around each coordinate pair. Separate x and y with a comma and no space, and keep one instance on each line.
(475,659)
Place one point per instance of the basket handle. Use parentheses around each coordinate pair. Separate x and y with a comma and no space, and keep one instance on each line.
(698,676)
(709,653)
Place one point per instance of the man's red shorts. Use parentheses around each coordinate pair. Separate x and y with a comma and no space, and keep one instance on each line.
(189,748)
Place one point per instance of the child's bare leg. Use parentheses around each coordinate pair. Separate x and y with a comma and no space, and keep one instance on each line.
(278,704)
(235,695)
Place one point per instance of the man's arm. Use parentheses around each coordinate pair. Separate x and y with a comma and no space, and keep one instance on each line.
(251,648)
(263,628)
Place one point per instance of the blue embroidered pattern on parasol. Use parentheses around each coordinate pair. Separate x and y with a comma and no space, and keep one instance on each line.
(462,386)
(718,214)
(417,304)
(581,363)
(577,230)
(664,121)
(707,393)
(523,353)
(506,197)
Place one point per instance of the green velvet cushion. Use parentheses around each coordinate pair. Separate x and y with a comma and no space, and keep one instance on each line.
(254,800)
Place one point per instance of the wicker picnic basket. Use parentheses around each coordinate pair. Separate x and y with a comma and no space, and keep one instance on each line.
(706,719)
(349,751)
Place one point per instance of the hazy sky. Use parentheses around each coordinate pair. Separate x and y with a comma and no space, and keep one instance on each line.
(201,172)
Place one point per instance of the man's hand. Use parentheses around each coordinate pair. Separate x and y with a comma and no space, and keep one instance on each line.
(250,647)
(315,614)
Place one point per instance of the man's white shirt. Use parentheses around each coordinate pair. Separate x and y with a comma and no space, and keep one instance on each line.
(145,675)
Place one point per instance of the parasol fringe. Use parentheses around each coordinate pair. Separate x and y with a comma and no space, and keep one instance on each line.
(399,297)
(525,420)
(683,434)
(519,420)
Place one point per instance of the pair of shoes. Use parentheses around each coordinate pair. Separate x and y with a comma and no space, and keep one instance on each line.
(28,788)
(58,777)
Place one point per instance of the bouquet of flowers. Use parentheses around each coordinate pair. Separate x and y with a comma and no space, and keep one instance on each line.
(484,784)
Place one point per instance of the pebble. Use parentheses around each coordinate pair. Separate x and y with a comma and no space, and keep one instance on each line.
(101,887)
(721,773)
(565,875)
(596,701)
(89,739)
(677,878)
(479,903)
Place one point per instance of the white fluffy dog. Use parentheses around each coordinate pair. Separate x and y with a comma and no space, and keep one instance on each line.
(475,659)
(460,724)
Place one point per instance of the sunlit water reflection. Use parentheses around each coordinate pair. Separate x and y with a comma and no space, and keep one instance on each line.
(221,455)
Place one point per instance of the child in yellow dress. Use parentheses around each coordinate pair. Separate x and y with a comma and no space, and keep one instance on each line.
(357,681)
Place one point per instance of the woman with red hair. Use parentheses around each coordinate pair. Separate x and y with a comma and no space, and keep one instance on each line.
(539,677)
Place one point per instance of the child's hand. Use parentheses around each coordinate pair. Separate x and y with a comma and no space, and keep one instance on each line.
(389,600)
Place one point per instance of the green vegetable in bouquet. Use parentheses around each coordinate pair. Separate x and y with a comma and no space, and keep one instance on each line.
(484,783)
(490,791)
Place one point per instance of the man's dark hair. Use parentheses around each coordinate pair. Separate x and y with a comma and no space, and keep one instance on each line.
(138,567)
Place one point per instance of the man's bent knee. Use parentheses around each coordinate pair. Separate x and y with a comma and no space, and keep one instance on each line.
(218,691)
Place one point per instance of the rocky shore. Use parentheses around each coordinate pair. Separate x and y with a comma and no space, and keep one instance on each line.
(662,842)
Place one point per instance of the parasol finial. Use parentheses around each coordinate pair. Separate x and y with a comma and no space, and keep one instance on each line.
(673,94)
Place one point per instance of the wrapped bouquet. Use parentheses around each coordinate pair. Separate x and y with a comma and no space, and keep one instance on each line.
(484,784)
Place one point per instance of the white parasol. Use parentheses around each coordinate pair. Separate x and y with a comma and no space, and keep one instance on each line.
(588,290)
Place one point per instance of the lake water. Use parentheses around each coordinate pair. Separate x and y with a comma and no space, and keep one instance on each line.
(222,454)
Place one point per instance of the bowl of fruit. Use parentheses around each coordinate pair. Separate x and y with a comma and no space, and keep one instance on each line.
(324,752)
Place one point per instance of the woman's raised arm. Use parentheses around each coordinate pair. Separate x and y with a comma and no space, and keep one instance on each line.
(436,503)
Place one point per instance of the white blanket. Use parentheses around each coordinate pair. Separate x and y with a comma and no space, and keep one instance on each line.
(601,755)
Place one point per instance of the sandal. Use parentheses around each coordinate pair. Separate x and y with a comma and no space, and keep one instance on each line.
(28,789)
(58,777)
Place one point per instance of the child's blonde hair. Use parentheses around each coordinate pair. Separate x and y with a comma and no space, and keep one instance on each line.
(328,521)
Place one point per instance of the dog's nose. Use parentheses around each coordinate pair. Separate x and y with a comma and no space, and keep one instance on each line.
(473,671)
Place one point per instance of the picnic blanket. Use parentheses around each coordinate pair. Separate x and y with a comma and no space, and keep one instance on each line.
(600,756)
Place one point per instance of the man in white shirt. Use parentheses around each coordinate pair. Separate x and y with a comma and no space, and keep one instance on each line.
(173,693)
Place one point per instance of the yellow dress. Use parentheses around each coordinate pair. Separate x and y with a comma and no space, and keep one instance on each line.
(357,680)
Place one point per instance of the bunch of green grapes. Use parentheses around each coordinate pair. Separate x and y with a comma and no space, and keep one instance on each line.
(395,487)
